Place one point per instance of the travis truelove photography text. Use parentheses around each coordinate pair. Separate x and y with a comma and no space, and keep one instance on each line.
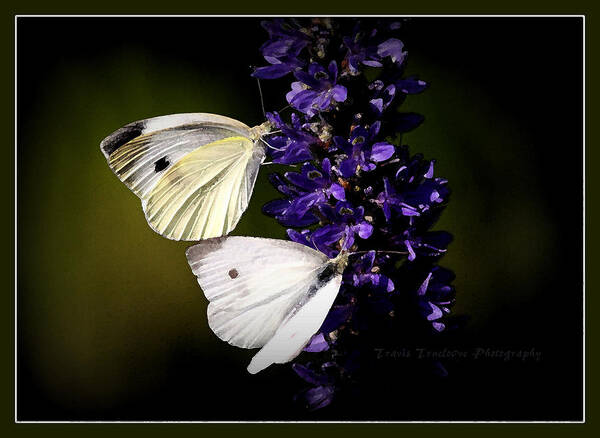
(475,353)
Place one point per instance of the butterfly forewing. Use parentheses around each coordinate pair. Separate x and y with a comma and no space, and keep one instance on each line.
(253,284)
(142,161)
(140,152)
(165,161)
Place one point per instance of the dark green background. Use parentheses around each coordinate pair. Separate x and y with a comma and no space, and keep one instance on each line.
(111,321)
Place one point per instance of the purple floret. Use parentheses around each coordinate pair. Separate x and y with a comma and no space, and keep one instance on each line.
(316,90)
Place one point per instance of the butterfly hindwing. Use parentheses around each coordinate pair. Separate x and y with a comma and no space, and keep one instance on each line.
(293,335)
(205,193)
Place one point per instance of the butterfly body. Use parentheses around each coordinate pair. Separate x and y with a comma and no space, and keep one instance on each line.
(193,172)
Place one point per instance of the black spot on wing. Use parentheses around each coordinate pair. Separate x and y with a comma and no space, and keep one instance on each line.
(204,248)
(121,136)
(161,164)
(233,273)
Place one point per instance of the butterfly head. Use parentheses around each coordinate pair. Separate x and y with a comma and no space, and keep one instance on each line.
(259,131)
(341,261)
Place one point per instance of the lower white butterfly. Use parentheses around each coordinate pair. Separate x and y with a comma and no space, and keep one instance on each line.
(193,172)
(266,293)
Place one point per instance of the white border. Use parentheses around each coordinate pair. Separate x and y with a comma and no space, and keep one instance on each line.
(583,202)
(583,421)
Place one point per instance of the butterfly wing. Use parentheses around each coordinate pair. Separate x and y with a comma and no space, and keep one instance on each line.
(296,331)
(182,166)
(205,193)
(255,285)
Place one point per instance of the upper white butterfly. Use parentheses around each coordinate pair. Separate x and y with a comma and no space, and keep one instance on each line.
(193,172)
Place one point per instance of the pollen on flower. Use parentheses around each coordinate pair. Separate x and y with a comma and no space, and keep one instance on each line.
(344,183)
(358,140)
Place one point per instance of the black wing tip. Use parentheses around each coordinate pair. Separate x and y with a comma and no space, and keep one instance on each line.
(204,247)
(121,136)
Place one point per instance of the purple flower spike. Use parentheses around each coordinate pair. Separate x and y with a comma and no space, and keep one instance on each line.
(354,189)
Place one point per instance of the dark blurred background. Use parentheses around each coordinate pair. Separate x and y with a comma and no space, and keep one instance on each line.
(111,322)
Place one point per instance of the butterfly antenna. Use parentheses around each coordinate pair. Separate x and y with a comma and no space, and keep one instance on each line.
(262,102)
(267,163)
(277,131)
(393,252)
(380,252)
(284,108)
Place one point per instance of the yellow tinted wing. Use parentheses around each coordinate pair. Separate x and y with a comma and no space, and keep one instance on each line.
(204,194)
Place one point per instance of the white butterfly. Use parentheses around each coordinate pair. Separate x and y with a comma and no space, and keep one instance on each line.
(267,293)
(193,172)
